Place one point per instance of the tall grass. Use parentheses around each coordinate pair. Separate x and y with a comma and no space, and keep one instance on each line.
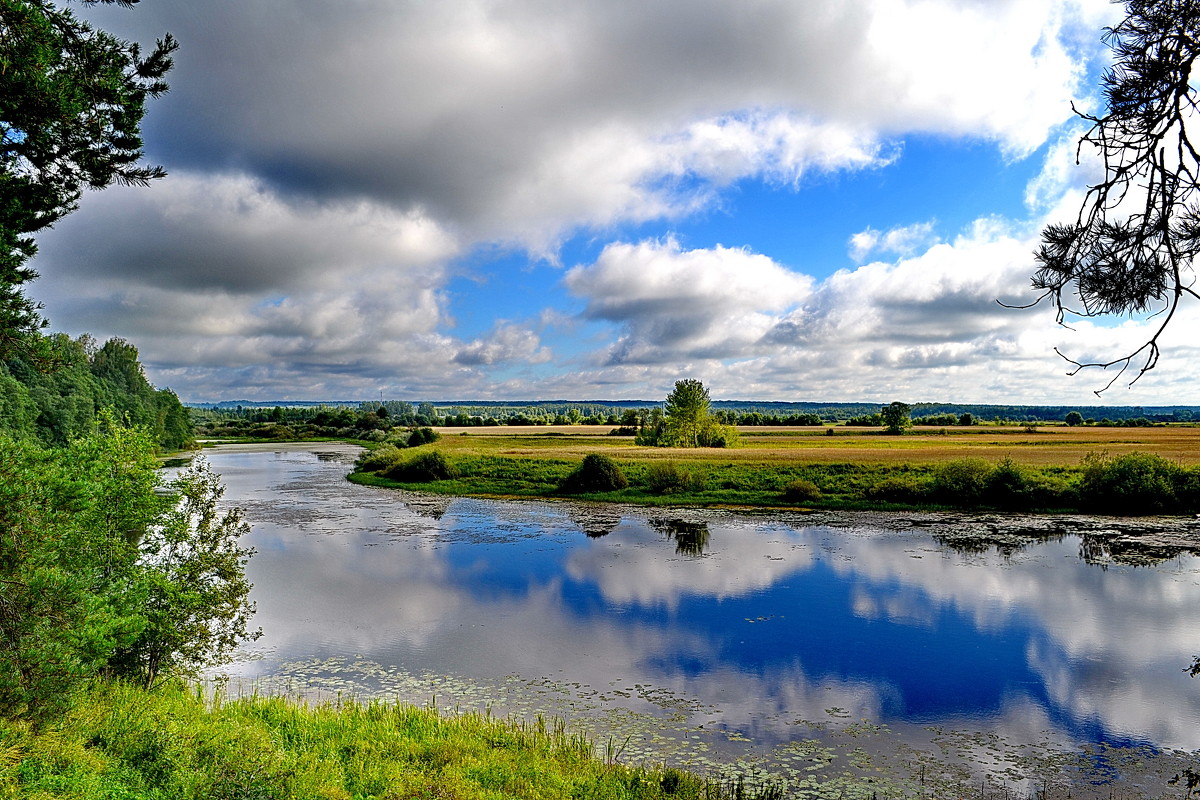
(124,742)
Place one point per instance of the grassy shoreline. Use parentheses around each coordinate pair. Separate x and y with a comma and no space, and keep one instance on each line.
(1127,471)
(118,741)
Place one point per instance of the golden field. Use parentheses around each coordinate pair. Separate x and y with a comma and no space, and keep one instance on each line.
(1048,445)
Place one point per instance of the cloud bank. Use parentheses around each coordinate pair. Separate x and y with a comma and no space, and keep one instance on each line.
(332,168)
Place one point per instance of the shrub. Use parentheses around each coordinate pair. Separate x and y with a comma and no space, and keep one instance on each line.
(900,489)
(718,436)
(665,477)
(1133,483)
(596,473)
(1008,486)
(963,481)
(801,491)
(426,467)
(381,458)
(421,436)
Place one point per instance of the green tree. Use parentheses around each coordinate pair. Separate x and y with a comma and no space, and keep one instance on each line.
(1131,248)
(69,518)
(1073,418)
(896,416)
(652,432)
(192,574)
(686,412)
(71,104)
(105,569)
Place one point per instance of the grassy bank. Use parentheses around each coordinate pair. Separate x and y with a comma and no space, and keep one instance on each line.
(122,742)
(1111,470)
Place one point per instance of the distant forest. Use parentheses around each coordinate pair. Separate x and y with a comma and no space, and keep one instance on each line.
(344,417)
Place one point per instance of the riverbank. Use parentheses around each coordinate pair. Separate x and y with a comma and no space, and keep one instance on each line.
(121,741)
(1062,470)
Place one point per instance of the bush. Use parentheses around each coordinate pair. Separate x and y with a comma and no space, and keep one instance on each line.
(801,491)
(424,468)
(596,473)
(422,436)
(1133,483)
(665,477)
(381,458)
(963,481)
(718,436)
(1008,486)
(900,489)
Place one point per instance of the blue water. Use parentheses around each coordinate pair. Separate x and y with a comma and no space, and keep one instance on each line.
(759,623)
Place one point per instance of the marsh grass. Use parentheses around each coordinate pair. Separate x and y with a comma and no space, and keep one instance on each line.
(124,742)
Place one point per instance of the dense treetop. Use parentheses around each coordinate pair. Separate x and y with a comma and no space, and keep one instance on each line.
(59,405)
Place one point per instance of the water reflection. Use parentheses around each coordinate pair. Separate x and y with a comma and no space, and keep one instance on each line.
(755,629)
(690,537)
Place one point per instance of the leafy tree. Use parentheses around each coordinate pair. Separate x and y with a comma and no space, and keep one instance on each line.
(68,590)
(71,104)
(686,412)
(896,417)
(192,573)
(1131,247)
(105,569)
(1073,418)
(60,405)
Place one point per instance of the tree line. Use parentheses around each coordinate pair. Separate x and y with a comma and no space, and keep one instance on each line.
(59,402)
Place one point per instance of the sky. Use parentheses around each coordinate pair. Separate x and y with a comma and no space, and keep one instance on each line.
(801,200)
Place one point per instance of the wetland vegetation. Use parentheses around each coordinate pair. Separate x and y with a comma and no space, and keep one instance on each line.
(119,741)
(1106,470)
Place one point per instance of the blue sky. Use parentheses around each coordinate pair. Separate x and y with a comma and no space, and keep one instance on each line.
(786,199)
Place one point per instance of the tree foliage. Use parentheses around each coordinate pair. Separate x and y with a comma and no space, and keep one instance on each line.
(896,416)
(71,104)
(63,404)
(191,570)
(106,569)
(1130,249)
(686,412)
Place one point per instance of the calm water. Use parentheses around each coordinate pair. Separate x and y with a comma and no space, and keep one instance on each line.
(871,657)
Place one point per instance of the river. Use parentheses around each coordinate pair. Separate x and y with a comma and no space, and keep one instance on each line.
(842,653)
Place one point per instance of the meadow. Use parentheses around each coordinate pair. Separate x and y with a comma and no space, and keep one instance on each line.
(1018,467)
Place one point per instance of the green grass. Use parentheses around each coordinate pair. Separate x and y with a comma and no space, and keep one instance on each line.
(125,743)
(970,482)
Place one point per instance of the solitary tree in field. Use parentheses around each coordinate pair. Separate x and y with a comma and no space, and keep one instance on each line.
(687,412)
(896,416)
(1073,418)
(1132,246)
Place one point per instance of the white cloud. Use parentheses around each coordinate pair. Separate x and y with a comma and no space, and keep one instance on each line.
(678,304)
(330,163)
(903,240)
(506,342)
